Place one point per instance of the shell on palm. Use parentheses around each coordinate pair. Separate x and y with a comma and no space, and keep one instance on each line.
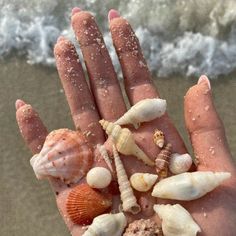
(124,141)
(143,111)
(176,220)
(189,186)
(105,156)
(129,201)
(180,163)
(107,225)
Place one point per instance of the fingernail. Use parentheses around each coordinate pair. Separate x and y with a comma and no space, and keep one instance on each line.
(60,38)
(19,103)
(113,14)
(75,10)
(204,79)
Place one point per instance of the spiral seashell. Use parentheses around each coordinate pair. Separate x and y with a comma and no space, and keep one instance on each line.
(65,155)
(105,156)
(98,177)
(180,163)
(84,203)
(143,181)
(143,227)
(162,160)
(189,186)
(124,141)
(158,138)
(143,111)
(176,221)
(107,225)
(129,201)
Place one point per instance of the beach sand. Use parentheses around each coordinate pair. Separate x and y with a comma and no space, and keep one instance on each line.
(27,205)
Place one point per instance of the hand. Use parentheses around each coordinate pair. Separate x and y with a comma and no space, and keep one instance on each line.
(215,212)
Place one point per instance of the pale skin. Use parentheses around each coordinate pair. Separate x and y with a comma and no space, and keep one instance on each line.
(216,212)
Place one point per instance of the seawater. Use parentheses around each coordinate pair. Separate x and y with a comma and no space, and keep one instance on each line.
(186,37)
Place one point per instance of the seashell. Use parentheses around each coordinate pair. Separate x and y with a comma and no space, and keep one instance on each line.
(107,225)
(176,220)
(84,203)
(180,163)
(143,227)
(143,181)
(158,138)
(124,141)
(162,160)
(129,201)
(105,156)
(98,177)
(143,111)
(65,155)
(189,186)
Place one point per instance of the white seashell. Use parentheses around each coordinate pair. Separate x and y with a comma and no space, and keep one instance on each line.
(159,138)
(107,225)
(105,156)
(129,201)
(143,181)
(176,220)
(98,177)
(180,163)
(143,111)
(189,186)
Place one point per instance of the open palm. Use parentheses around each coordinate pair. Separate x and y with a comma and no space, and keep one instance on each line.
(104,100)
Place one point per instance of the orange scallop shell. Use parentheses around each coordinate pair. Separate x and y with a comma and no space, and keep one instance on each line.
(84,204)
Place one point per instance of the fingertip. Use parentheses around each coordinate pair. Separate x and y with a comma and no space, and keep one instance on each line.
(204,79)
(60,38)
(19,103)
(75,10)
(112,14)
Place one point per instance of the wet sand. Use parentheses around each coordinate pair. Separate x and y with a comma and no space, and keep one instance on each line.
(27,206)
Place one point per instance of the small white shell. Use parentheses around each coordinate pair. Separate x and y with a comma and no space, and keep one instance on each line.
(189,186)
(180,163)
(105,156)
(143,111)
(98,177)
(176,221)
(143,181)
(107,225)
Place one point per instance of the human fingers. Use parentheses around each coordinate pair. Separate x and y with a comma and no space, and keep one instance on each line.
(79,97)
(102,76)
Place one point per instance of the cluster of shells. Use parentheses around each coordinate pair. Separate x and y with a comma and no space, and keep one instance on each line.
(67,156)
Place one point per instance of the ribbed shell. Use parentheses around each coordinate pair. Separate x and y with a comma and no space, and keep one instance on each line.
(124,141)
(107,225)
(159,138)
(84,204)
(65,155)
(105,156)
(162,160)
(129,201)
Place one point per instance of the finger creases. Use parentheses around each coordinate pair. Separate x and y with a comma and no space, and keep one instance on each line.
(103,80)
(206,130)
(79,97)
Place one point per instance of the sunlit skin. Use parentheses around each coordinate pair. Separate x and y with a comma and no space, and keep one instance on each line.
(216,212)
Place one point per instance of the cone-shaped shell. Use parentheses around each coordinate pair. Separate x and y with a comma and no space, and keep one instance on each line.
(105,156)
(158,138)
(107,225)
(124,141)
(84,204)
(189,186)
(180,163)
(176,221)
(65,155)
(162,160)
(129,201)
(143,111)
(143,181)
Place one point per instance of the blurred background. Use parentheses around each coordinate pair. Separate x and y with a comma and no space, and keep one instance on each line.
(180,40)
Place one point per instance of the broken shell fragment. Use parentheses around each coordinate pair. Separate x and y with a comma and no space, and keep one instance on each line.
(84,203)
(65,155)
(143,181)
(159,138)
(176,220)
(189,186)
(143,111)
(107,225)
(180,163)
(98,177)
(124,141)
